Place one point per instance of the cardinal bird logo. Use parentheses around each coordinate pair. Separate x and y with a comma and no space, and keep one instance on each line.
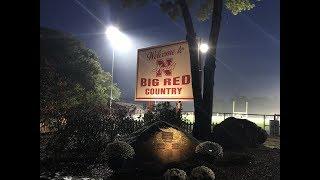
(164,67)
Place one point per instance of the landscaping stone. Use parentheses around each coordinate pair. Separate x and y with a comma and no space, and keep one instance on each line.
(238,133)
(161,143)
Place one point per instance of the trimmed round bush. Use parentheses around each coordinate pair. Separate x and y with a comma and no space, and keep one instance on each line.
(209,149)
(202,173)
(175,174)
(116,153)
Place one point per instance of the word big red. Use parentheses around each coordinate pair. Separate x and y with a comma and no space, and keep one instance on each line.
(180,80)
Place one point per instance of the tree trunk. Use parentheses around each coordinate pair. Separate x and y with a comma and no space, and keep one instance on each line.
(210,64)
(196,87)
(209,70)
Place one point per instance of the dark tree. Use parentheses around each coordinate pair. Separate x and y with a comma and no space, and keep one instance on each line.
(70,76)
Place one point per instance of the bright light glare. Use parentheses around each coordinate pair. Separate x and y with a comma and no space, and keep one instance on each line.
(204,48)
(118,40)
(112,31)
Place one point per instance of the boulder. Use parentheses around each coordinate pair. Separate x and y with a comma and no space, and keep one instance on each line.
(161,144)
(233,133)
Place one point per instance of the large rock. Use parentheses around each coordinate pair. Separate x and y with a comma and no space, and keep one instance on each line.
(238,133)
(161,144)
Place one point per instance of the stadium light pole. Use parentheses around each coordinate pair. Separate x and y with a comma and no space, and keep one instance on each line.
(118,41)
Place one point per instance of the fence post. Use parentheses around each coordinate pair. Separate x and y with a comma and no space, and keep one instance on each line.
(212,127)
(187,126)
(274,127)
(224,116)
(264,122)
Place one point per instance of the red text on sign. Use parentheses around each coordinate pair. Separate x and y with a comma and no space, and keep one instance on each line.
(183,80)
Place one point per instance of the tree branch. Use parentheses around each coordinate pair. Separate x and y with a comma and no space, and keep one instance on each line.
(187,18)
(215,25)
(199,128)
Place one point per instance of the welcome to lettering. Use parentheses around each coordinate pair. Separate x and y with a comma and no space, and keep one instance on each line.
(156,54)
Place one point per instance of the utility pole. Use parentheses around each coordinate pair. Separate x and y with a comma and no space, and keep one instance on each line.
(111,80)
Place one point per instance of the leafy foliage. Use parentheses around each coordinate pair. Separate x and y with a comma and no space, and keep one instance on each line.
(74,96)
(175,173)
(148,117)
(118,149)
(237,6)
(116,153)
(202,172)
(204,8)
(172,8)
(70,76)
(208,152)
(164,112)
(126,126)
(84,136)
(122,124)
(89,129)
(234,6)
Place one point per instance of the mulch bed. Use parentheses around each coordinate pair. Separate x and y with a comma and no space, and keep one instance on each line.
(265,164)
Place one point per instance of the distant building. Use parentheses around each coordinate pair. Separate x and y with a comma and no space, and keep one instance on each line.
(133,108)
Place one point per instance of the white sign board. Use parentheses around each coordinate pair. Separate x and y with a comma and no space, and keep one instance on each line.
(164,73)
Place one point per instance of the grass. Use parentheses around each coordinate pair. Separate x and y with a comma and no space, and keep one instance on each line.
(273,142)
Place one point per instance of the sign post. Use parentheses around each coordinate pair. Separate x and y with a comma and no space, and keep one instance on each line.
(164,73)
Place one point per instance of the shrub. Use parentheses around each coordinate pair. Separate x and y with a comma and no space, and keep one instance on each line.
(83,137)
(117,153)
(148,117)
(210,150)
(175,174)
(164,112)
(126,126)
(88,130)
(202,173)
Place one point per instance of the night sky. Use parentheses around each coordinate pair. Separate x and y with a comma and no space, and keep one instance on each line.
(248,47)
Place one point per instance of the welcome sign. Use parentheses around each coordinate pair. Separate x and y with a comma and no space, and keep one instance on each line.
(164,73)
